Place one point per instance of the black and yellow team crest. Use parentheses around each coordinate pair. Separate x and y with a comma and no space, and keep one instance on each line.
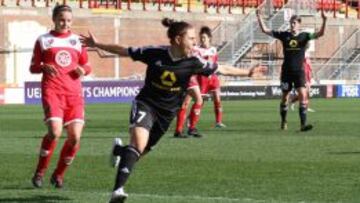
(168,78)
(293,43)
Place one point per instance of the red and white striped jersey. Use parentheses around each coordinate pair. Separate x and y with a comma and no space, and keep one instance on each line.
(65,52)
(209,54)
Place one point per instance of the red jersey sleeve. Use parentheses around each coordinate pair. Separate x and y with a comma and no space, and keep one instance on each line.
(36,60)
(83,61)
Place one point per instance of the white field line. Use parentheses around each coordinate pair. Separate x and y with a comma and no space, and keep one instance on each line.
(195,197)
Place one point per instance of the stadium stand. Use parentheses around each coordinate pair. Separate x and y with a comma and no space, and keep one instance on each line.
(342,6)
(240,42)
(328,5)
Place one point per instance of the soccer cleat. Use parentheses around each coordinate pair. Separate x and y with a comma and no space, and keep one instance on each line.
(57,182)
(194,132)
(283,126)
(37,181)
(115,159)
(306,128)
(311,110)
(220,125)
(179,135)
(118,196)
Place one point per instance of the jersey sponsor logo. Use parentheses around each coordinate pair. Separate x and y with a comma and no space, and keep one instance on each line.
(293,43)
(170,89)
(168,78)
(72,42)
(167,82)
(48,43)
(63,58)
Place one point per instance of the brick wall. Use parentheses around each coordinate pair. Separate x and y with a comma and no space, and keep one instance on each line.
(138,30)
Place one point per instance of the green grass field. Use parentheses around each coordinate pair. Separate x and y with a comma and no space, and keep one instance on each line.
(250,161)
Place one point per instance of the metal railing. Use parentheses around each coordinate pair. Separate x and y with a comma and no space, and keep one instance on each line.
(240,42)
(339,73)
(250,33)
(350,71)
(276,21)
(340,57)
(223,31)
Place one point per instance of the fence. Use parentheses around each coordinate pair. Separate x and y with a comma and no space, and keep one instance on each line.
(346,7)
(342,59)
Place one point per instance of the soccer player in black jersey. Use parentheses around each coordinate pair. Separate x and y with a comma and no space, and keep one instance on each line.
(167,76)
(292,70)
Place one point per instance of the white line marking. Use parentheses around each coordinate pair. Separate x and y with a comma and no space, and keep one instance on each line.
(194,197)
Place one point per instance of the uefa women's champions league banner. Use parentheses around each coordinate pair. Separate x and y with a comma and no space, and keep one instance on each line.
(125,91)
(94,91)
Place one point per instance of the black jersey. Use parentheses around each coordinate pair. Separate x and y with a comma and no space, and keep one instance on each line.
(293,49)
(167,78)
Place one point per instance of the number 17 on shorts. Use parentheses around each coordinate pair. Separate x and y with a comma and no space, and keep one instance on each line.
(141,115)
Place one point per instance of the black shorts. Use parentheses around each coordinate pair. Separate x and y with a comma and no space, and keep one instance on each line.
(292,80)
(155,120)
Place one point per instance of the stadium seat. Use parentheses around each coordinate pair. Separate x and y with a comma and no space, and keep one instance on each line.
(328,5)
(225,3)
(251,3)
(168,2)
(278,3)
(210,3)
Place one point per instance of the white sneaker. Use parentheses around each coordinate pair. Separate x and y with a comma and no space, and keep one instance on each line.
(118,196)
(220,125)
(311,110)
(115,160)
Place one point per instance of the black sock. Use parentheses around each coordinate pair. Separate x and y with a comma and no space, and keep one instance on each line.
(283,112)
(118,150)
(302,114)
(129,157)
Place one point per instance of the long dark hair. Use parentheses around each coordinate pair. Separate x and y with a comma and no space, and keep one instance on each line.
(175,28)
(60,8)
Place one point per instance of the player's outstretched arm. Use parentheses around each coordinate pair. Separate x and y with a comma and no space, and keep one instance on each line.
(232,71)
(262,25)
(321,32)
(90,41)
